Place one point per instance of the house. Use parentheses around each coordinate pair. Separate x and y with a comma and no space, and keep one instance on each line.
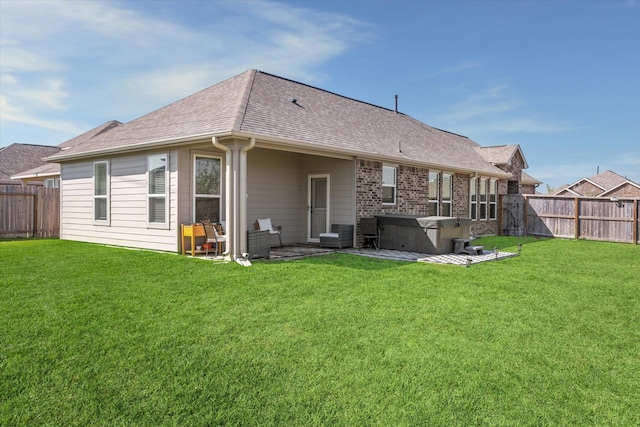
(606,184)
(510,159)
(257,145)
(528,184)
(49,173)
(15,158)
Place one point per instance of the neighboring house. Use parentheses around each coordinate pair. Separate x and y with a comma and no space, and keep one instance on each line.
(605,184)
(49,173)
(257,146)
(15,158)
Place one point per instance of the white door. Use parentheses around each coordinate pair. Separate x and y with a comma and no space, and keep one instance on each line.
(317,207)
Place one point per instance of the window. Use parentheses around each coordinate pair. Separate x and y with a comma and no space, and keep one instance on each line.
(101,192)
(447,194)
(473,198)
(52,183)
(493,191)
(434,191)
(483,198)
(157,187)
(206,187)
(388,185)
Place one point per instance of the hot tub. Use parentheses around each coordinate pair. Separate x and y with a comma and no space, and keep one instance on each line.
(424,234)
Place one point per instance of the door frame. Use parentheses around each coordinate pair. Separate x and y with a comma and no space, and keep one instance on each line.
(310,177)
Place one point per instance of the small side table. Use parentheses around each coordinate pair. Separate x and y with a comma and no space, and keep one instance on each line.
(192,231)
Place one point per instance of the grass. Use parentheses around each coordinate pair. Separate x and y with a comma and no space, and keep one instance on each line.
(95,335)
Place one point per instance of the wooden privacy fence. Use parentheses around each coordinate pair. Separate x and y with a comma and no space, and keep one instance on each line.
(29,211)
(614,220)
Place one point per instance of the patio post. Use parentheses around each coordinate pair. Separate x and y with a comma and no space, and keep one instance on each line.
(235,193)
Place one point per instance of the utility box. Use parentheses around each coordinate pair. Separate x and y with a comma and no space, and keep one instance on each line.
(429,235)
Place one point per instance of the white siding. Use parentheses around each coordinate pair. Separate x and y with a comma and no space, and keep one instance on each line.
(277,188)
(128,204)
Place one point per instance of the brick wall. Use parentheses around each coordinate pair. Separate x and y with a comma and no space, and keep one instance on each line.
(412,194)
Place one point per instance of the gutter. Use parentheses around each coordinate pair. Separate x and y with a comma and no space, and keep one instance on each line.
(268,142)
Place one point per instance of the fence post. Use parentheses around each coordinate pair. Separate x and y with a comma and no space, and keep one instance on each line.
(501,218)
(576,217)
(525,214)
(35,214)
(634,232)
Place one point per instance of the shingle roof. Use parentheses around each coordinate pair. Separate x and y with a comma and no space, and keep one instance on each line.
(50,169)
(98,130)
(260,104)
(607,179)
(19,157)
(500,154)
(528,179)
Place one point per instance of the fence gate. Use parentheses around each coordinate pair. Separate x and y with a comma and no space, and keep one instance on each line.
(513,211)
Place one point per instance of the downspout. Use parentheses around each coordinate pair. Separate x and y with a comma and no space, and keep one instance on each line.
(227,184)
(244,195)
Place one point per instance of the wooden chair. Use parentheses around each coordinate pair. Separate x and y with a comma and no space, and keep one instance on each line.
(215,236)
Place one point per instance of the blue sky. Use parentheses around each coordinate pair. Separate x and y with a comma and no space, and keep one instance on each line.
(560,78)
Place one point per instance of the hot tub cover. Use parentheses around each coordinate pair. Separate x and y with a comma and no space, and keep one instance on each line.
(424,221)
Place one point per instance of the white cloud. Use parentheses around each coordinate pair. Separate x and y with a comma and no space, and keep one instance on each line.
(491,101)
(12,113)
(497,110)
(631,158)
(63,54)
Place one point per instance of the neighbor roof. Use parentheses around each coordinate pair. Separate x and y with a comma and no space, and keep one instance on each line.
(608,179)
(53,169)
(15,158)
(280,111)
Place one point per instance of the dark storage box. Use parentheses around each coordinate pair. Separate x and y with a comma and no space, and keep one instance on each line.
(430,234)
(258,244)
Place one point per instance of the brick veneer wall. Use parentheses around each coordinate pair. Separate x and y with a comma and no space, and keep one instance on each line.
(412,194)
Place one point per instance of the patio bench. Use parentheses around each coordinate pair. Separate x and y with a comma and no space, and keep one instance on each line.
(341,236)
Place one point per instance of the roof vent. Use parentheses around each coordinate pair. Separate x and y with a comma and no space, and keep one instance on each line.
(295,101)
(396,103)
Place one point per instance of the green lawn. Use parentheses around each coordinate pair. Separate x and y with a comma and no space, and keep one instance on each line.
(94,335)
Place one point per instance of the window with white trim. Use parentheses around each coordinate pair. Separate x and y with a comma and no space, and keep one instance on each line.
(473,198)
(206,188)
(101,192)
(447,194)
(389,185)
(157,189)
(493,199)
(434,192)
(483,198)
(52,183)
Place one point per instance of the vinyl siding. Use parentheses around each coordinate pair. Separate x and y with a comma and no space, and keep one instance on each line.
(128,204)
(277,189)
